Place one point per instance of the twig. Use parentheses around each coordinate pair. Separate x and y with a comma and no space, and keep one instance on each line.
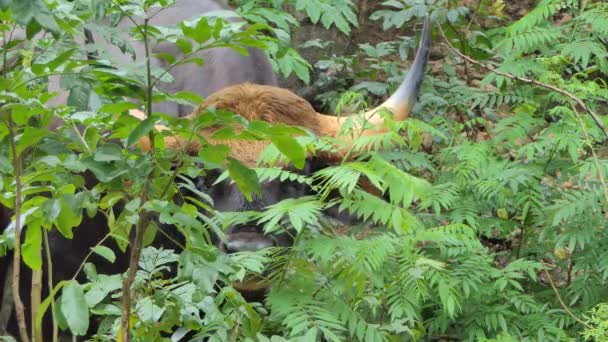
(145,216)
(490,68)
(47,250)
(136,247)
(594,155)
(86,258)
(19,309)
(561,301)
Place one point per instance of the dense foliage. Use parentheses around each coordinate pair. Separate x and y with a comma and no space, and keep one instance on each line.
(492,226)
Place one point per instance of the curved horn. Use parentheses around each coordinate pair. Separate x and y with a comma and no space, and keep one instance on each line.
(400,102)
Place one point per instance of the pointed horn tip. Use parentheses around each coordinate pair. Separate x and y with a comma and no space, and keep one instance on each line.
(404,98)
(425,40)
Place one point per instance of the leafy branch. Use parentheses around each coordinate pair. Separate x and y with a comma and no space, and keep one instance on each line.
(561,300)
(490,68)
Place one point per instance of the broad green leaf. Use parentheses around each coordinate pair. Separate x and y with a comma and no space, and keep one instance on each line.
(79,96)
(290,147)
(117,107)
(108,152)
(245,178)
(31,136)
(200,33)
(47,302)
(150,234)
(51,209)
(142,129)
(32,248)
(67,218)
(105,252)
(215,154)
(104,171)
(193,98)
(61,59)
(75,309)
(101,287)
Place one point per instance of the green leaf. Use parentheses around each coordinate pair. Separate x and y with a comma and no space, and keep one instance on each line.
(47,302)
(150,234)
(215,154)
(290,148)
(118,107)
(105,252)
(142,129)
(108,152)
(75,309)
(68,218)
(32,248)
(193,98)
(245,178)
(51,209)
(104,171)
(101,287)
(61,59)
(200,33)
(31,136)
(185,46)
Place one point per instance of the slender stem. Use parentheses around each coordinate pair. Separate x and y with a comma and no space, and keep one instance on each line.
(490,68)
(81,137)
(86,258)
(36,299)
(47,250)
(570,268)
(522,240)
(561,301)
(145,216)
(136,248)
(596,161)
(551,155)
(20,311)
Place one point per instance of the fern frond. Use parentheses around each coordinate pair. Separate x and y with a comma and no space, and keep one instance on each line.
(494,100)
(274,173)
(596,18)
(299,315)
(543,11)
(452,240)
(581,51)
(300,212)
(373,209)
(441,196)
